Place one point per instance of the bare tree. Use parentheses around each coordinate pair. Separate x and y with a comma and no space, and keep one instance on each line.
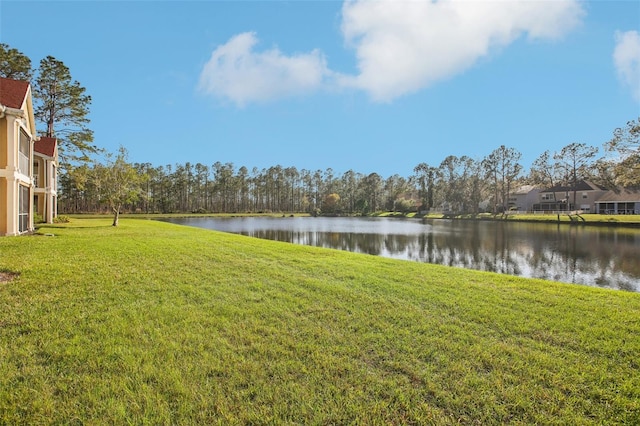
(576,157)
(503,167)
(546,172)
(424,175)
(626,143)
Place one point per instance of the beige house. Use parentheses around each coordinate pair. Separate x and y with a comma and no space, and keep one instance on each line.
(45,172)
(625,201)
(17,132)
(561,198)
(523,198)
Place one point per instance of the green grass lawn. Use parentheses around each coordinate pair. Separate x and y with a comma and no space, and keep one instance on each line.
(154,323)
(591,219)
(604,219)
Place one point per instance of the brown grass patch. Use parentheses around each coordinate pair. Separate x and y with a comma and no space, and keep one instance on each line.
(6,276)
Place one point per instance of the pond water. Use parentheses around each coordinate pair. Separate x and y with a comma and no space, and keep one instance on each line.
(596,256)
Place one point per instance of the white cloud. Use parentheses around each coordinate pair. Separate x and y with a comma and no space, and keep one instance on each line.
(626,58)
(404,46)
(237,73)
(401,47)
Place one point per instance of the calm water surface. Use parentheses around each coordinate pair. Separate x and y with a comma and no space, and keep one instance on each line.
(595,256)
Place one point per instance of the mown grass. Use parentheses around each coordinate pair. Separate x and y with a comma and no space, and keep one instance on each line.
(602,219)
(153,323)
(181,215)
(592,219)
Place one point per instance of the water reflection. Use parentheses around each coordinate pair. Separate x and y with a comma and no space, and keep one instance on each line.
(604,257)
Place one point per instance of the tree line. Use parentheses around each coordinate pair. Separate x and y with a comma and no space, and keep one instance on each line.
(88,183)
(457,184)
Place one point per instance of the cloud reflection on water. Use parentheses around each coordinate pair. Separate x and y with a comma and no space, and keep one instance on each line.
(603,257)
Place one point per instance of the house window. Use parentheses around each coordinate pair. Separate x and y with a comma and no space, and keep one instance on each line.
(547,197)
(54,178)
(23,160)
(36,173)
(584,195)
(23,212)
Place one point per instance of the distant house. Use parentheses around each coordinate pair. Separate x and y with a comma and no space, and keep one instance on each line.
(560,197)
(523,198)
(621,202)
(45,172)
(17,132)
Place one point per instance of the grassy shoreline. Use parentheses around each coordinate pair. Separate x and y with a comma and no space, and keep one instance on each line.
(156,323)
(586,219)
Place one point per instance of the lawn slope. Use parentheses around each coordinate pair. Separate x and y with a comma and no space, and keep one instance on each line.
(161,324)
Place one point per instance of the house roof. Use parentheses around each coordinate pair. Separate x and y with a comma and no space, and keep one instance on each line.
(524,190)
(625,195)
(583,185)
(46,146)
(13,92)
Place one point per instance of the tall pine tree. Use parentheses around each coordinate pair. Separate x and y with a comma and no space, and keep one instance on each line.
(14,64)
(63,106)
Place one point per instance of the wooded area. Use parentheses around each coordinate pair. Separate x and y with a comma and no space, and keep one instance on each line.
(457,184)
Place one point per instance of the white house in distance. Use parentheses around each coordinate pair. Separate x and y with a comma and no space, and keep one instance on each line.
(523,198)
(17,132)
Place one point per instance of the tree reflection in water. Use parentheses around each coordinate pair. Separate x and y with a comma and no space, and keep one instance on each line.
(597,256)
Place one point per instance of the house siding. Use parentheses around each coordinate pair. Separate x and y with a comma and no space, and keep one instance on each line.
(586,196)
(3,145)
(16,196)
(524,198)
(3,206)
(619,202)
(45,173)
(615,207)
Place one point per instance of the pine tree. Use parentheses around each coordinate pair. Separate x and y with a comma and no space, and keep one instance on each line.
(14,64)
(63,106)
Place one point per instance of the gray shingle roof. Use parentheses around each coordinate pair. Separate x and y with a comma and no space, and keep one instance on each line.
(623,196)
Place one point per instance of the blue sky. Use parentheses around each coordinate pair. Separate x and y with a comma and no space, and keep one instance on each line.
(369,86)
